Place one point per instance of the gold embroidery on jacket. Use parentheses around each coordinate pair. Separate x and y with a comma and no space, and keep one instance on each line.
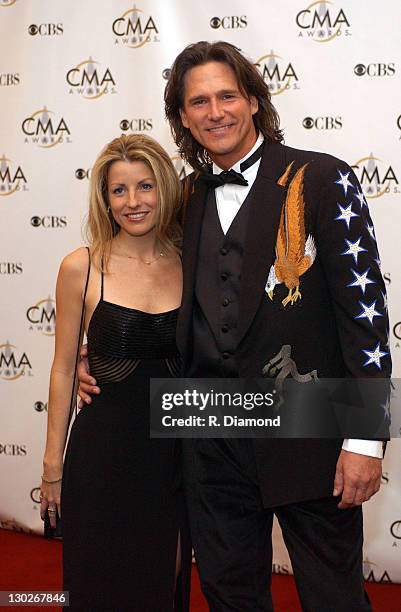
(294,253)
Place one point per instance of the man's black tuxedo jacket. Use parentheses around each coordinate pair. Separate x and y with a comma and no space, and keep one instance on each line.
(323,328)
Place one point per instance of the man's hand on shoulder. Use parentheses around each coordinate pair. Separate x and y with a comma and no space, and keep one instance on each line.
(357,478)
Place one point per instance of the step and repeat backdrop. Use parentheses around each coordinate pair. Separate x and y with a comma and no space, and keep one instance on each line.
(73,75)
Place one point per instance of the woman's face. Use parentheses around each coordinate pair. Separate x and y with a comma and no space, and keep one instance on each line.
(132,192)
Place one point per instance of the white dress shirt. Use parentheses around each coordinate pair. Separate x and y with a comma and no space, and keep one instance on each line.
(229,199)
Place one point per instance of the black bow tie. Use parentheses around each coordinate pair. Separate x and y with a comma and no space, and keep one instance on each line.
(228,176)
(231,176)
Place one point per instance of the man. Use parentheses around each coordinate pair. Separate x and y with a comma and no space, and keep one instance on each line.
(280,268)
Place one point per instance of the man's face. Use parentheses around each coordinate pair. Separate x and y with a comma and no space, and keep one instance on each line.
(217,113)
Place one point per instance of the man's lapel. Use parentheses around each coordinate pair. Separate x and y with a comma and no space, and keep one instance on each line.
(194,212)
(264,219)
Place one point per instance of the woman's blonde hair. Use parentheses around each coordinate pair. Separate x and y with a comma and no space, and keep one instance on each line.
(101,227)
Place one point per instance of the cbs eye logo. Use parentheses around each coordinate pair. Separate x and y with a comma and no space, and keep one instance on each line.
(166,73)
(360,70)
(36,221)
(215,23)
(33,30)
(308,123)
(40,406)
(82,174)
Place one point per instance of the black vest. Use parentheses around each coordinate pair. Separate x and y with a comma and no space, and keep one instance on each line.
(216,311)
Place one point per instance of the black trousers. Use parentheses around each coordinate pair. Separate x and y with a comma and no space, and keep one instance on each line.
(231,533)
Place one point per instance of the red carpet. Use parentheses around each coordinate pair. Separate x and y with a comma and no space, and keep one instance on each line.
(31,563)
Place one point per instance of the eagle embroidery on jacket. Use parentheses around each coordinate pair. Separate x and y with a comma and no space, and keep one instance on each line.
(295,253)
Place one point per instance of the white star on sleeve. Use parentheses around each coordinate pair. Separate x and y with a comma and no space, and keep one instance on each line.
(371,231)
(361,280)
(343,181)
(375,356)
(368,312)
(346,214)
(354,248)
(361,198)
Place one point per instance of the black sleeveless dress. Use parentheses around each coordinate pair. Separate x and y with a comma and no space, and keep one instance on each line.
(121,503)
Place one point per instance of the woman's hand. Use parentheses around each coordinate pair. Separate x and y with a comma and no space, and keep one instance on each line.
(86,381)
(50,493)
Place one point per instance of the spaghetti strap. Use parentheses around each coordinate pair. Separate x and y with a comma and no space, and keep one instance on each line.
(101,282)
(87,279)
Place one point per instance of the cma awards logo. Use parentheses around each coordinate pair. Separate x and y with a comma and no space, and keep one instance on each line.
(322,22)
(90,81)
(279,75)
(46,130)
(12,177)
(232,22)
(13,363)
(376,177)
(135,29)
(42,317)
(136,125)
(7,2)
(323,123)
(395,530)
(35,495)
(371,573)
(399,125)
(181,169)
(397,334)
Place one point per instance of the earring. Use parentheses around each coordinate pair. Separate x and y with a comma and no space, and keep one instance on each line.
(109,209)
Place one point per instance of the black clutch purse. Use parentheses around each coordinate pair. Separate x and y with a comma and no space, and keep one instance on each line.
(50,532)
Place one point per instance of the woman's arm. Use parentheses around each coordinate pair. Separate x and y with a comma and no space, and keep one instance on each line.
(69,294)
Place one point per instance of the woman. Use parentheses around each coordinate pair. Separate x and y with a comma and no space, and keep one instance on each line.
(122,513)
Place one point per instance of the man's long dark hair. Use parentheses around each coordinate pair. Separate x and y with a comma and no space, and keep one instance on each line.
(250,83)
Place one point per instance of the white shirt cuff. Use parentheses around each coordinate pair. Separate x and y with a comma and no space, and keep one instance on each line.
(373,448)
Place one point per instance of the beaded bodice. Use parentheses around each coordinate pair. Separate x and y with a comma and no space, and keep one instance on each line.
(120,337)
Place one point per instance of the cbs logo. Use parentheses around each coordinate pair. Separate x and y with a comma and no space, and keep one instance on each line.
(375,70)
(81,174)
(166,73)
(232,22)
(46,29)
(322,123)
(50,221)
(40,406)
(136,125)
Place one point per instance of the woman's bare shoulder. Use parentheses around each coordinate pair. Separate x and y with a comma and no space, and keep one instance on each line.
(74,266)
